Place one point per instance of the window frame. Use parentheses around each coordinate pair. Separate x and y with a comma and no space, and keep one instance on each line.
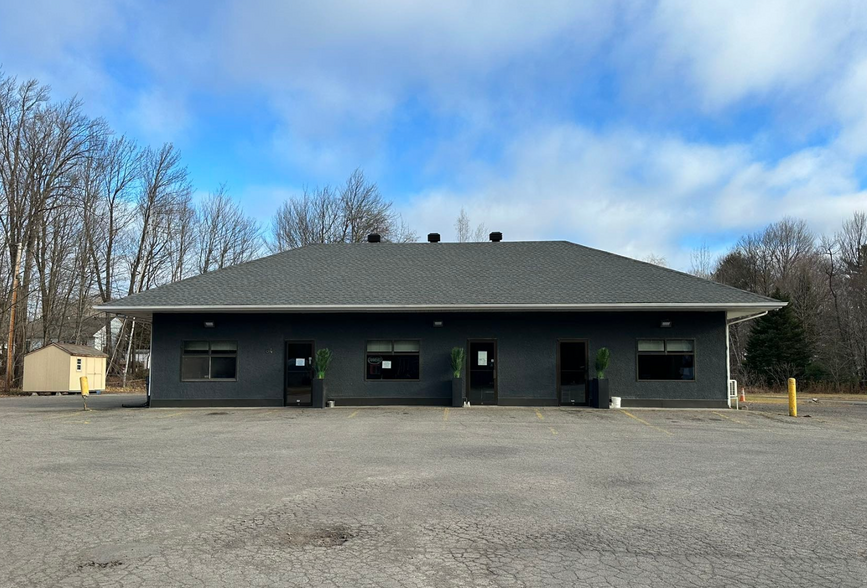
(406,353)
(78,364)
(663,353)
(210,342)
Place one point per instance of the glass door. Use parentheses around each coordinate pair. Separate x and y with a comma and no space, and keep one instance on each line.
(572,372)
(482,381)
(299,373)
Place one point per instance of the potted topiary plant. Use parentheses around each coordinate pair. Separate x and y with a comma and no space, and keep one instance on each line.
(600,392)
(320,366)
(457,381)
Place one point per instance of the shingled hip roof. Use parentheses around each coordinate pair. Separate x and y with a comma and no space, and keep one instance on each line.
(534,275)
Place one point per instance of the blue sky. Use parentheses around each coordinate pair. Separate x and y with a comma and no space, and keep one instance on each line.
(639,127)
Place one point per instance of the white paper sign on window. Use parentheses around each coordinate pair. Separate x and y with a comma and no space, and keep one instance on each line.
(386,365)
(483,358)
(299,362)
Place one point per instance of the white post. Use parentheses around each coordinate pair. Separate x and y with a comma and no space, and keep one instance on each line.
(728,364)
(128,351)
(150,362)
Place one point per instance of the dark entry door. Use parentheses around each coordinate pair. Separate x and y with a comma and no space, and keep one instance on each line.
(572,372)
(299,373)
(482,383)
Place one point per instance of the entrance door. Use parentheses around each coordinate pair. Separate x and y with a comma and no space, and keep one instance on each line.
(572,372)
(482,381)
(299,373)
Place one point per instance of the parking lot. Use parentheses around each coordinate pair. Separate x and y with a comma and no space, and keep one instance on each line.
(424,496)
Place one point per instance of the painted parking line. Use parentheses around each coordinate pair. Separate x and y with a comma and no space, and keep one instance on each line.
(553,431)
(170,415)
(629,414)
(446,414)
(728,418)
(352,415)
(64,416)
(539,414)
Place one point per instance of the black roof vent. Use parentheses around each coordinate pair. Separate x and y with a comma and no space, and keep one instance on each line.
(374,238)
(496,236)
(433,237)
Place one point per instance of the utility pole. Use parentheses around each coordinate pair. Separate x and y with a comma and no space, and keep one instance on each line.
(10,346)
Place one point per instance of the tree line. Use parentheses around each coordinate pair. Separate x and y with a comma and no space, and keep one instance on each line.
(821,336)
(93,216)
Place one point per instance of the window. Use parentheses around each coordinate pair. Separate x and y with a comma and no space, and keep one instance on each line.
(209,360)
(392,360)
(666,359)
(78,364)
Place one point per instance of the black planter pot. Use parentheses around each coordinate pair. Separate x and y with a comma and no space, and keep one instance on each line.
(457,392)
(317,399)
(600,394)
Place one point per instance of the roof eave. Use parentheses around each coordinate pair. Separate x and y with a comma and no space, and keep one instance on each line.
(734,309)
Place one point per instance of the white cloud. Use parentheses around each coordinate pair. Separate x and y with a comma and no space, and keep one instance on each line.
(636,194)
(733,49)
(343,78)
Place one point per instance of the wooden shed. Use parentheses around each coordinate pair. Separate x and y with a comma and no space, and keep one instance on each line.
(58,367)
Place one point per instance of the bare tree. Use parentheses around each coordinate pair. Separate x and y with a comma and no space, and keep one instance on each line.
(109,176)
(226,235)
(345,215)
(655,259)
(701,262)
(164,191)
(464,232)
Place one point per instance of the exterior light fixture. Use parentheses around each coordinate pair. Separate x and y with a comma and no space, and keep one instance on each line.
(438,323)
(665,324)
(209,324)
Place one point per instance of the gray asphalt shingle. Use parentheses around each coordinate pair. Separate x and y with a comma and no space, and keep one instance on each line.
(414,274)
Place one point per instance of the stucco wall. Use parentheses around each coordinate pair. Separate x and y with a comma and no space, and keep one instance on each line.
(527,350)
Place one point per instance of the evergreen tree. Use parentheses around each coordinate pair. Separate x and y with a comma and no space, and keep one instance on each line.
(777,348)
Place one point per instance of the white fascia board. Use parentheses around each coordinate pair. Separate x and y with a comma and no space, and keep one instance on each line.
(740,309)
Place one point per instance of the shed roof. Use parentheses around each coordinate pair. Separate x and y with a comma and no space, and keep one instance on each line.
(531,275)
(74,350)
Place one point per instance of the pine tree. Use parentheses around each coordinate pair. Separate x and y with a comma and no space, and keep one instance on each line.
(777,348)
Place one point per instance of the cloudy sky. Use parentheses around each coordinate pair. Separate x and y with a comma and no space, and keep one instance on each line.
(638,126)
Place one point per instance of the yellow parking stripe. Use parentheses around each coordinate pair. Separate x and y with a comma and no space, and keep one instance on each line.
(171,414)
(539,414)
(629,414)
(446,414)
(728,418)
(65,416)
(352,415)
(553,431)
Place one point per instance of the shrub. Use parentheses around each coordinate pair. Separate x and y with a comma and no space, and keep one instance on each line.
(322,361)
(457,360)
(602,357)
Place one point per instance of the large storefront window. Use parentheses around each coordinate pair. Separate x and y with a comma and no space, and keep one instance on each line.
(666,360)
(209,360)
(392,360)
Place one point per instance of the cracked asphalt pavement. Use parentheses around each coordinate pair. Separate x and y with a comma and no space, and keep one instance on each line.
(423,496)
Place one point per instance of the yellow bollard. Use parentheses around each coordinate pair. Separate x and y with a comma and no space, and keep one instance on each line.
(85,390)
(793,398)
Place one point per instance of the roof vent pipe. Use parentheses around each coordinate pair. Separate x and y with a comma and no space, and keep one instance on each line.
(496,237)
(433,237)
(374,238)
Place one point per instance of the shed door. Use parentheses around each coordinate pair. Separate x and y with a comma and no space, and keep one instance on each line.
(94,377)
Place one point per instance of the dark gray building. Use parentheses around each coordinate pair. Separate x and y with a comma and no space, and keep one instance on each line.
(531,316)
